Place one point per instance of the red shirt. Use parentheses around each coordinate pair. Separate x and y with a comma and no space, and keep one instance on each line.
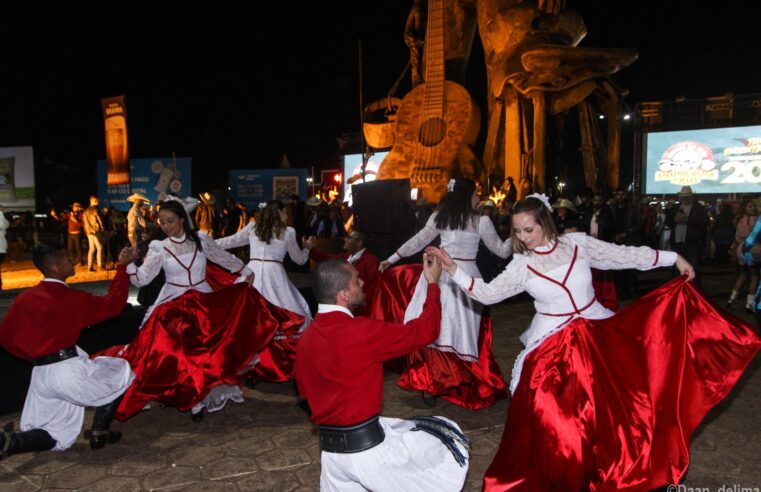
(50,316)
(74,223)
(339,360)
(367,267)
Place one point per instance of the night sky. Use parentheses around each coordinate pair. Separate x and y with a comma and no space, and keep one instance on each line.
(236,84)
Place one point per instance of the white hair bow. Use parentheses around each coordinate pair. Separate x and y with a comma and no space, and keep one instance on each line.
(450,185)
(262,205)
(542,198)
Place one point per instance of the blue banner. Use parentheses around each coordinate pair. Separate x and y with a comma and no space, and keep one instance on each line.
(152,178)
(253,186)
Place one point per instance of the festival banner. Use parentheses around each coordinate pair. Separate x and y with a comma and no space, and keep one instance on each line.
(152,178)
(117,148)
(17,178)
(254,186)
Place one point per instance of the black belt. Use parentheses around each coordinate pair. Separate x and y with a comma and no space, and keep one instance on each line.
(63,354)
(351,439)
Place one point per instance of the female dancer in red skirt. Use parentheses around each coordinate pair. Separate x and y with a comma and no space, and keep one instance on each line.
(195,342)
(601,401)
(459,366)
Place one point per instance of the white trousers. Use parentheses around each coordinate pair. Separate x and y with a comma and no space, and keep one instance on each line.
(406,460)
(59,393)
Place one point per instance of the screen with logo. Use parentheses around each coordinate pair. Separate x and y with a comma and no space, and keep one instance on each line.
(353,171)
(716,160)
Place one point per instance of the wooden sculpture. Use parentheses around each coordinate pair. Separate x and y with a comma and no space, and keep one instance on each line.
(435,125)
(535,69)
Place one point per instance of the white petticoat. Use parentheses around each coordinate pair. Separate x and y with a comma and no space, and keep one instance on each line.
(405,460)
(58,394)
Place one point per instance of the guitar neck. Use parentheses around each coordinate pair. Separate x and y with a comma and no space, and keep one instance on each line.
(434,60)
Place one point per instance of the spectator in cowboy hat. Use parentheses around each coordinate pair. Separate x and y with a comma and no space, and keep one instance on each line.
(74,228)
(136,222)
(565,212)
(313,204)
(206,214)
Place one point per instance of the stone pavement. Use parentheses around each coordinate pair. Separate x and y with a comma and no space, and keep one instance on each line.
(267,443)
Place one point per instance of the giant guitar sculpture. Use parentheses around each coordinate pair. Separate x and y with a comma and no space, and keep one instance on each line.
(436,124)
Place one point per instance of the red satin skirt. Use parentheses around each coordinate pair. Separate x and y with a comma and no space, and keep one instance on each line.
(198,341)
(277,358)
(610,405)
(472,385)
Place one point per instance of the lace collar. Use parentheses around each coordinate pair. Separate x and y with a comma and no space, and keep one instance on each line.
(180,240)
(546,249)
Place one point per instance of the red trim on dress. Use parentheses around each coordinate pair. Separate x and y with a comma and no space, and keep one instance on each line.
(576,309)
(655,263)
(464,259)
(187,268)
(549,251)
(472,283)
(266,261)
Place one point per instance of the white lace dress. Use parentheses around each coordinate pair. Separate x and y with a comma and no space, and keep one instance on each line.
(184,267)
(270,278)
(559,278)
(461,314)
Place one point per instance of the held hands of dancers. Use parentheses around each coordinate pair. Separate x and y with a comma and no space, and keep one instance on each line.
(431,268)
(684,267)
(246,276)
(308,241)
(127,255)
(384,265)
(447,263)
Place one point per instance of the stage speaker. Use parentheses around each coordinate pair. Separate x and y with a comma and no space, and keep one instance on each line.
(383,211)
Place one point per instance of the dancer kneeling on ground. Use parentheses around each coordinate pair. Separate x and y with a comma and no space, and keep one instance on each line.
(195,343)
(43,325)
(603,401)
(339,370)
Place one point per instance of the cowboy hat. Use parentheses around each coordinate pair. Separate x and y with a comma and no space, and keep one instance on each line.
(137,197)
(313,201)
(207,198)
(565,203)
(685,191)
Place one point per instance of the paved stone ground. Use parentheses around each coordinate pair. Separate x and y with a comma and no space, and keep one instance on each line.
(267,443)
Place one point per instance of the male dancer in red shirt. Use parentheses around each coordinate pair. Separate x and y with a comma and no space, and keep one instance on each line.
(355,252)
(43,325)
(339,370)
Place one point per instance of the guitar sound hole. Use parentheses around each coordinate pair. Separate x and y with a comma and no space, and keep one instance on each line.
(431,132)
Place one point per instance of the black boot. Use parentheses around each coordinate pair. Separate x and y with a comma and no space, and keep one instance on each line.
(429,401)
(23,442)
(100,435)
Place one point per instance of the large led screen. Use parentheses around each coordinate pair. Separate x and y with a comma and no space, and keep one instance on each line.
(717,160)
(353,171)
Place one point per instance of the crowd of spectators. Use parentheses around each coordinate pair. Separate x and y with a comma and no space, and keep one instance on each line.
(701,231)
